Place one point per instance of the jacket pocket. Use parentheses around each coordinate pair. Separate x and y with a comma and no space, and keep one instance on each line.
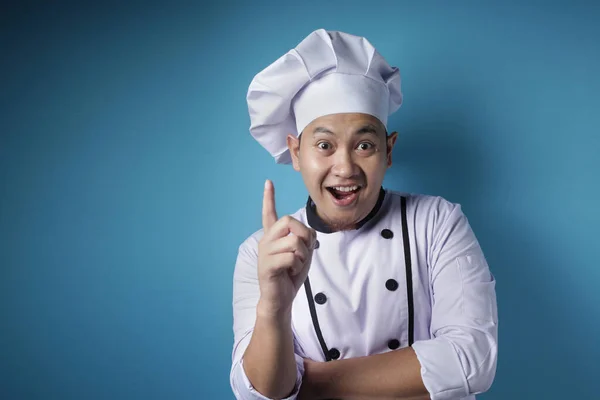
(479,288)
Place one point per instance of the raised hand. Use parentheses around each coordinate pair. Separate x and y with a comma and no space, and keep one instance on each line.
(284,257)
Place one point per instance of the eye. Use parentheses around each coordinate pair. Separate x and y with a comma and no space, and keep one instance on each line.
(324,146)
(365,146)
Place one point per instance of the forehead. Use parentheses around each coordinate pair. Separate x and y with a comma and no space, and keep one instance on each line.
(344,123)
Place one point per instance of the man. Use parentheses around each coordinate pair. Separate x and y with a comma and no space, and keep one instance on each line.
(365,293)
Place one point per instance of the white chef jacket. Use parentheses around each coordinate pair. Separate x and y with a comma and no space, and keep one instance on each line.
(412,274)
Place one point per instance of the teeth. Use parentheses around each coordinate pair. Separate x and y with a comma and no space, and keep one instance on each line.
(346,189)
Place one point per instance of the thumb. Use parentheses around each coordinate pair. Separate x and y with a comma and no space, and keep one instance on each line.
(269,214)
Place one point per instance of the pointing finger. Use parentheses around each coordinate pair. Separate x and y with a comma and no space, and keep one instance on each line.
(269,215)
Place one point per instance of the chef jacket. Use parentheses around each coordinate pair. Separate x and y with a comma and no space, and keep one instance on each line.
(411,274)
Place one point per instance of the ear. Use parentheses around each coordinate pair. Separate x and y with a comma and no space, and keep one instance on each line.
(391,141)
(293,144)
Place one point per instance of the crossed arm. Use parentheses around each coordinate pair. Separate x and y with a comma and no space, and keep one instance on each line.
(394,375)
(269,363)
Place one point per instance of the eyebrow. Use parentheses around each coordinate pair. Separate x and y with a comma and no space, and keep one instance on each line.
(365,129)
(320,129)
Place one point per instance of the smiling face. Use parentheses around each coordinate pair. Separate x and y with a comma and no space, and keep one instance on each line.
(343,159)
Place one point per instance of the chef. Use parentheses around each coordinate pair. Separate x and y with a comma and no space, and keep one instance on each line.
(364,292)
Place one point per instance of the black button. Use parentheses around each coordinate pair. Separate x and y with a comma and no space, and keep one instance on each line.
(334,353)
(387,234)
(320,298)
(317,244)
(391,284)
(394,344)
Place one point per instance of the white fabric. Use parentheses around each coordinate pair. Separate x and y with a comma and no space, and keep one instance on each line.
(322,97)
(329,72)
(455,311)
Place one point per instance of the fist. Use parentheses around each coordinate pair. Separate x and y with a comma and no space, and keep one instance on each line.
(284,257)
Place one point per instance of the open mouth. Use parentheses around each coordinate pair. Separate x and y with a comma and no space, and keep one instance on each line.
(344,195)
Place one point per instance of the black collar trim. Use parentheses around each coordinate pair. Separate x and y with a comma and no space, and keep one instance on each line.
(318,224)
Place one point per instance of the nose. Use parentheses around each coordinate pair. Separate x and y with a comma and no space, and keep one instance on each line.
(344,165)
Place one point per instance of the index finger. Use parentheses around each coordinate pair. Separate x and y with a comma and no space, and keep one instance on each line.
(269,215)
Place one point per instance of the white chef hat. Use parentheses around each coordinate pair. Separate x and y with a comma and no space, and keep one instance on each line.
(329,72)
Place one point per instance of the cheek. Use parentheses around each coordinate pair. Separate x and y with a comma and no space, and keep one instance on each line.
(375,168)
(313,166)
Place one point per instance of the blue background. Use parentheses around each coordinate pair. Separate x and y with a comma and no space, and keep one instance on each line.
(128,178)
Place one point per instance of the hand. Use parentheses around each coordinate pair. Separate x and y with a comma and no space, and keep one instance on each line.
(284,257)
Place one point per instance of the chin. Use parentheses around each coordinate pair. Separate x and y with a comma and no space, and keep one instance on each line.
(340,225)
(343,221)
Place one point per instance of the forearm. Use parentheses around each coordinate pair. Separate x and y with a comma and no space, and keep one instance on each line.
(269,361)
(394,375)
(422,397)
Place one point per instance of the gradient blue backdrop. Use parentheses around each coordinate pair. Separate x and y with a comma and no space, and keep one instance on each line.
(128,179)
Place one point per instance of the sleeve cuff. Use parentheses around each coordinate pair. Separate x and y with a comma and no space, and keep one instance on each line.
(244,390)
(441,370)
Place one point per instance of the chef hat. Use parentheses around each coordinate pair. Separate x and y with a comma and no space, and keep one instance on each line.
(329,72)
